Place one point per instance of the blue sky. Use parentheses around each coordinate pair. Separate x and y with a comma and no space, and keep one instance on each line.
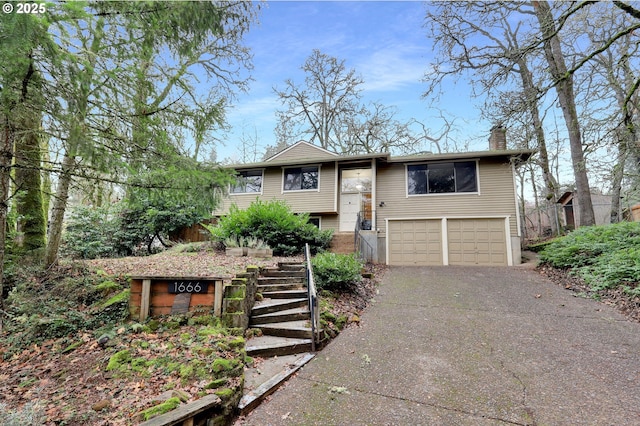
(383,41)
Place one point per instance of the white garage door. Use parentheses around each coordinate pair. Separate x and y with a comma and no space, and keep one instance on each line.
(477,242)
(415,242)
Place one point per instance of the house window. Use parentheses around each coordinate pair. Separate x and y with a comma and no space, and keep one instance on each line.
(315,221)
(248,182)
(301,178)
(442,178)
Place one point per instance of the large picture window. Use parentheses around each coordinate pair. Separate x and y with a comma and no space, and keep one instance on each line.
(442,178)
(248,182)
(301,178)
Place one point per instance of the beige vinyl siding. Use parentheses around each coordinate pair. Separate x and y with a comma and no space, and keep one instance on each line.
(496,196)
(310,201)
(329,221)
(303,151)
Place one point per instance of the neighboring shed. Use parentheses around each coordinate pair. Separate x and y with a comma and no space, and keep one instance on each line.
(571,209)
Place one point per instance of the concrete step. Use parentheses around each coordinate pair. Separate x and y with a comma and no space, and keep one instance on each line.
(293,329)
(285,294)
(295,314)
(266,346)
(268,306)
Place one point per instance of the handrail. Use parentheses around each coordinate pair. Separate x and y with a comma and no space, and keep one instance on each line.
(357,243)
(312,297)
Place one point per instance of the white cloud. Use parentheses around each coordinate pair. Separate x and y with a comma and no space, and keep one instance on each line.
(393,67)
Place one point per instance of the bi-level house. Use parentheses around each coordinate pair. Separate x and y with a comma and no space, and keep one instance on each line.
(426,209)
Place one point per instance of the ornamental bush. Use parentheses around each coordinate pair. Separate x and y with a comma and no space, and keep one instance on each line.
(274,223)
(336,271)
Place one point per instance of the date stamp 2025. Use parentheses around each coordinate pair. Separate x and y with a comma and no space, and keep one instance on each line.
(24,8)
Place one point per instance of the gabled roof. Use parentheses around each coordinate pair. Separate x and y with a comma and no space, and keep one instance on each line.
(302,149)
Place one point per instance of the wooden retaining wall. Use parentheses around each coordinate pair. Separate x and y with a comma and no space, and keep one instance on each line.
(154,296)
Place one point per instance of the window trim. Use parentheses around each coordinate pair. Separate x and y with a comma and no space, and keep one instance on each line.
(440,194)
(231,186)
(284,172)
(319,220)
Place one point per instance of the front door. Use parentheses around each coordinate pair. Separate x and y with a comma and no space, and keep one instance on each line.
(349,208)
(355,186)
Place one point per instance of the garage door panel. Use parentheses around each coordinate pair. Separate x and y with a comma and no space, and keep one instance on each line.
(477,242)
(470,242)
(415,242)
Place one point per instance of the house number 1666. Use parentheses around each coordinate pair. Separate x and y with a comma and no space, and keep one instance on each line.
(187,287)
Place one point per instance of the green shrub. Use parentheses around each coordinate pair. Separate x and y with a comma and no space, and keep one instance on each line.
(274,223)
(89,233)
(336,271)
(604,256)
(124,229)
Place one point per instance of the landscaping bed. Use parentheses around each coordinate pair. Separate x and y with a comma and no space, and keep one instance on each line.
(107,376)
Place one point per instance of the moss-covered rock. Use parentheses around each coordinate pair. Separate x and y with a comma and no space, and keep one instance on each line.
(119,359)
(157,410)
(218,383)
(225,393)
(222,367)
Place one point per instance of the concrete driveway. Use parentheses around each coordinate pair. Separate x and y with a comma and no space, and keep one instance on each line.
(470,346)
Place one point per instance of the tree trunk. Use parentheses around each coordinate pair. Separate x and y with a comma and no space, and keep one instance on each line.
(31,222)
(616,184)
(6,156)
(59,208)
(563,82)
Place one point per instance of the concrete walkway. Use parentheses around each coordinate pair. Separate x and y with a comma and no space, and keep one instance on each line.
(469,346)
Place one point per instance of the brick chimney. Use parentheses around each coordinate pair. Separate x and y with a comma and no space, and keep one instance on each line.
(498,138)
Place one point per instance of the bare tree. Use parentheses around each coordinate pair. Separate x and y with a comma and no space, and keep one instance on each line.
(327,110)
(318,108)
(483,40)
(563,83)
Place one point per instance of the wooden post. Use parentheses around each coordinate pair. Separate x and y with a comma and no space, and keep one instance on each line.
(146,299)
(218,296)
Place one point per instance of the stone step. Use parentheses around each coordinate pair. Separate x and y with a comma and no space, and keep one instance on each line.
(285,294)
(266,346)
(295,314)
(268,306)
